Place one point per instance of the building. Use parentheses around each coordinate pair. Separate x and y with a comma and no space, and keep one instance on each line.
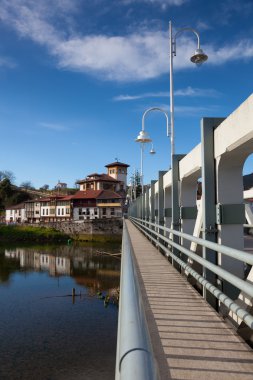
(97,181)
(55,208)
(15,214)
(96,204)
(114,180)
(61,185)
(100,196)
(32,211)
(118,171)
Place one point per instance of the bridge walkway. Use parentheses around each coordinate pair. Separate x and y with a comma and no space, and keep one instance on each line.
(190,340)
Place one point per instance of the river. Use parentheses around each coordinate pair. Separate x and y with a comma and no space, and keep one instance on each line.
(45,332)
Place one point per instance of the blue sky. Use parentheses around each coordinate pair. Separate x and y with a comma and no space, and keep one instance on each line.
(77,75)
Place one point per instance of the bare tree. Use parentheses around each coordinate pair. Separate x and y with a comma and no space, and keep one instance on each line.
(27,185)
(7,174)
(44,187)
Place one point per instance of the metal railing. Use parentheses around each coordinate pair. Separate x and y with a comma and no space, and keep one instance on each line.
(153,231)
(134,358)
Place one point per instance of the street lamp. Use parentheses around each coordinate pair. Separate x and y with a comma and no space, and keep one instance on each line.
(198,58)
(143,136)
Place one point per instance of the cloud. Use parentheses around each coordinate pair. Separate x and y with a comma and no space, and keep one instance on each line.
(137,56)
(54,127)
(187,111)
(7,62)
(120,98)
(164,3)
(198,92)
(188,91)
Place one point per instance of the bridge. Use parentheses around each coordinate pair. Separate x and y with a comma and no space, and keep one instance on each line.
(187,278)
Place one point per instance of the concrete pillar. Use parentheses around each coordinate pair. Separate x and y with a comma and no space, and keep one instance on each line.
(146,203)
(160,217)
(230,214)
(175,200)
(167,205)
(208,198)
(188,208)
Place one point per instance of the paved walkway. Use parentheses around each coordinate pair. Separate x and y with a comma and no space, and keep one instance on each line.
(189,338)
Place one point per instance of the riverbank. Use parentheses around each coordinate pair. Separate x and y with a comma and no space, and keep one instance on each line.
(96,230)
(99,231)
(21,233)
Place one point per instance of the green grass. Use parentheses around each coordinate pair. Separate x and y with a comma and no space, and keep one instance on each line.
(30,234)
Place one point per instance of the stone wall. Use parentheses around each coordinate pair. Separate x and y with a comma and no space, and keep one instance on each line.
(90,230)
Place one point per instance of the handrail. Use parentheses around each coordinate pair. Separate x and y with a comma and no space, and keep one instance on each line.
(240,284)
(231,252)
(135,358)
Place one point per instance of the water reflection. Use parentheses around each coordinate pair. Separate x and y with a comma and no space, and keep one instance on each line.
(43,334)
(89,266)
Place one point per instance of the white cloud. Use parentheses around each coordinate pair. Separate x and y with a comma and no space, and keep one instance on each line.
(120,98)
(164,3)
(133,57)
(187,111)
(188,91)
(7,62)
(197,92)
(54,127)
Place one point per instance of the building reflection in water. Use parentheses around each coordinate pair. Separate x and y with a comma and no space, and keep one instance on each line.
(85,265)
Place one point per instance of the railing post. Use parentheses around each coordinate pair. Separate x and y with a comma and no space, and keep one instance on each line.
(175,201)
(209,199)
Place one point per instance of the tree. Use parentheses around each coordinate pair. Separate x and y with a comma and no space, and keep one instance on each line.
(7,174)
(27,185)
(44,187)
(6,191)
(135,187)
(76,184)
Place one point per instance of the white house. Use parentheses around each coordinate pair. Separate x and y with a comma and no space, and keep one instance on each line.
(15,214)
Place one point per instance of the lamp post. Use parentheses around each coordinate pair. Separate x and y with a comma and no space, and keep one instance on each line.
(143,137)
(198,58)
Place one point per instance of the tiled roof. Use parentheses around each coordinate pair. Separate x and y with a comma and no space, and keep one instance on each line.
(100,177)
(117,164)
(96,194)
(66,198)
(108,194)
(88,194)
(16,207)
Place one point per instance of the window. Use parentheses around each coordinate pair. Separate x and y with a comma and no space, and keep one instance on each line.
(58,211)
(104,211)
(47,211)
(67,211)
(95,211)
(112,211)
(43,211)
